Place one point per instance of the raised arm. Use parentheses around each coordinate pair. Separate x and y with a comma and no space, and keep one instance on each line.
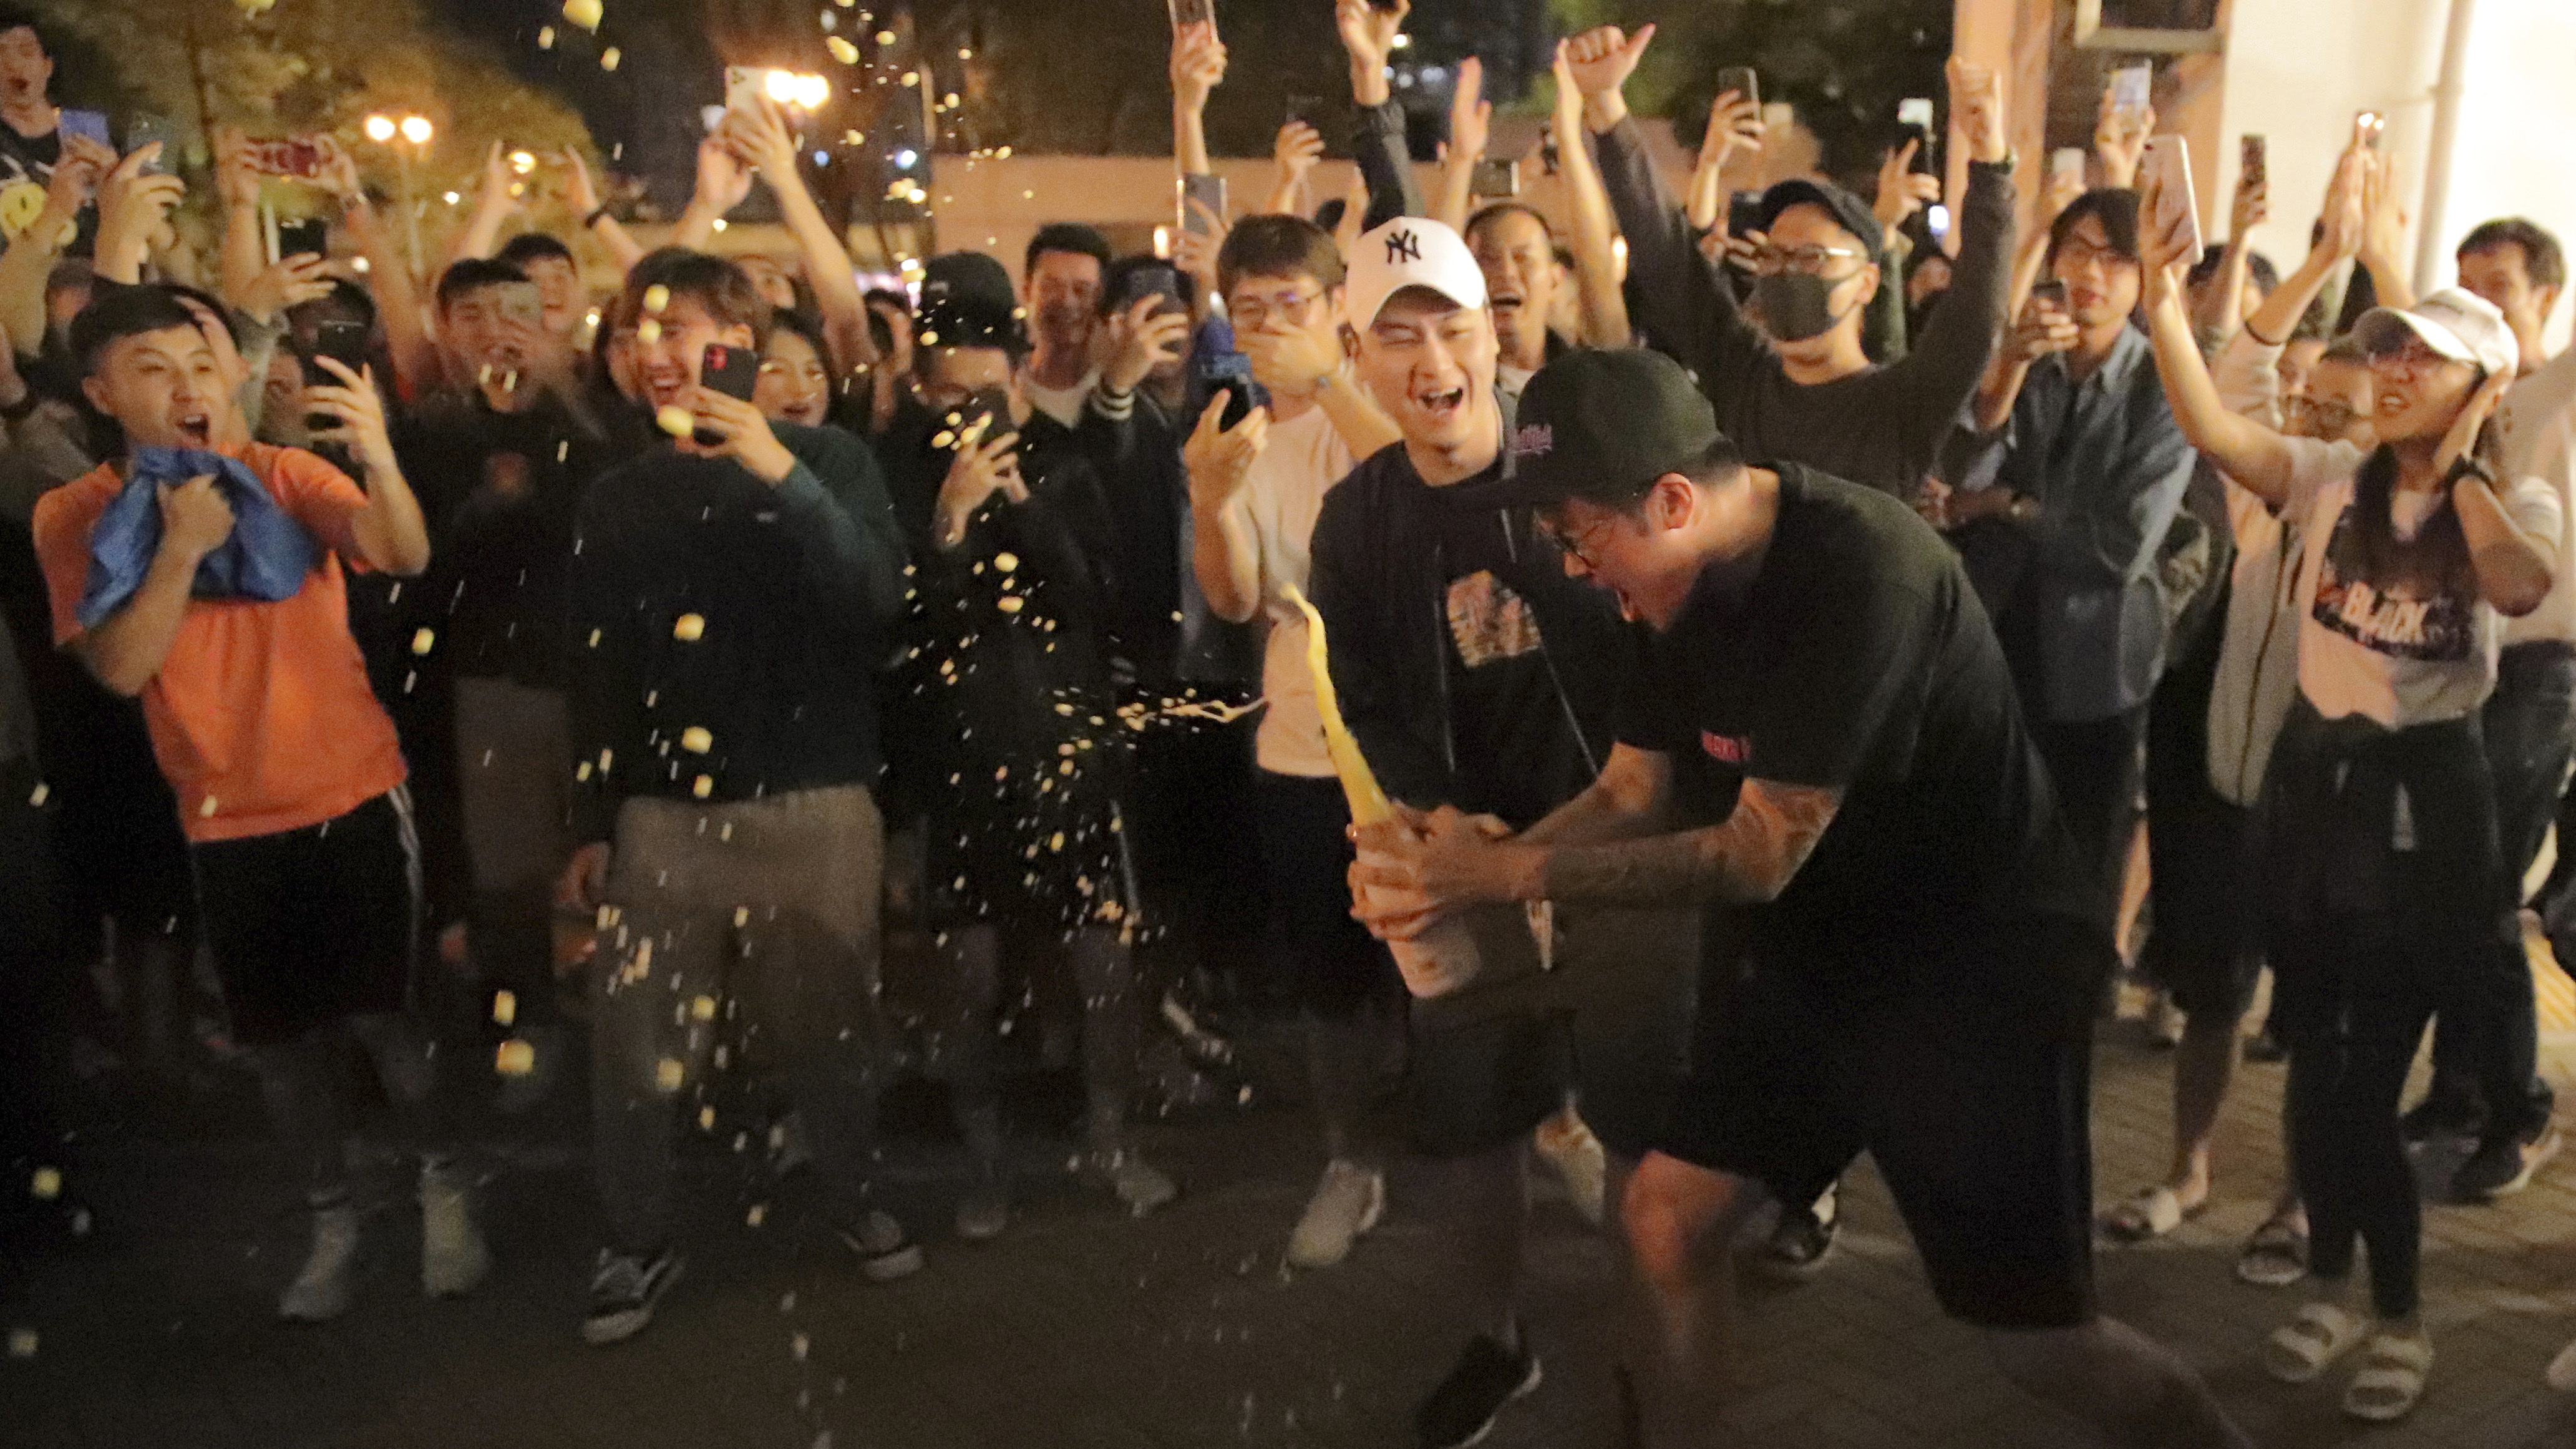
(389,277)
(493,207)
(2383,245)
(1958,343)
(29,261)
(2222,307)
(724,179)
(1385,160)
(1225,548)
(134,215)
(244,253)
(766,137)
(2257,458)
(1471,130)
(1297,150)
(1596,257)
(389,533)
(1198,68)
(581,195)
(2514,565)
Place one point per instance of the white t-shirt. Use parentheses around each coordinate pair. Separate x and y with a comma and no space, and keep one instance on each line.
(1512,381)
(1305,458)
(1064,404)
(2536,424)
(2397,650)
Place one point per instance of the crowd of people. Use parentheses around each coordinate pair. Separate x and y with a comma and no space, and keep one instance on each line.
(1778,633)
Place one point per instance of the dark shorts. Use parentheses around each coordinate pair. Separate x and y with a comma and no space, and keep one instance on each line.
(1975,1116)
(2205,947)
(1609,1025)
(1319,959)
(311,926)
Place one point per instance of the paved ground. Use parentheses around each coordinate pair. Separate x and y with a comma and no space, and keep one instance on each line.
(1083,1328)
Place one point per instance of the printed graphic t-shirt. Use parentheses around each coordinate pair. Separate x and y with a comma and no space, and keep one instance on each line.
(1517,753)
(2408,642)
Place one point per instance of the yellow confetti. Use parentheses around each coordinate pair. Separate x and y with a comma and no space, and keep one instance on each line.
(657,298)
(842,50)
(675,420)
(516,1058)
(36,797)
(799,1346)
(505,1007)
(608,58)
(1010,603)
(703,1008)
(22,1343)
(1006,561)
(1055,843)
(584,13)
(885,37)
(759,1212)
(741,917)
(546,37)
(667,1075)
(648,332)
(696,740)
(46,1184)
(423,640)
(206,808)
(689,628)
(703,786)
(706,1119)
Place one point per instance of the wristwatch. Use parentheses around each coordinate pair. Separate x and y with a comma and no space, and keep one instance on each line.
(2468,467)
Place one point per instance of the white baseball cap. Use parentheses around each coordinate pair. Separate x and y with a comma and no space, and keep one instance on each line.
(1411,252)
(2454,322)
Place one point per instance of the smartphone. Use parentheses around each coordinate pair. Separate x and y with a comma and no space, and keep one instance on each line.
(2170,164)
(310,237)
(1232,372)
(1158,281)
(2068,161)
(1495,180)
(2371,127)
(2133,89)
(987,414)
(1919,121)
(2252,162)
(1207,191)
(1743,213)
(92,124)
(1306,109)
(731,371)
(145,131)
(344,343)
(2052,292)
(1743,80)
(297,156)
(1191,12)
(745,85)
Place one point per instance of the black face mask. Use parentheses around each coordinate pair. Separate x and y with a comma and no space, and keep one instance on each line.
(1795,306)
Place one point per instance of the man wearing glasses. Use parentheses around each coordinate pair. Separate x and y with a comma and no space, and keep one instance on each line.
(1797,387)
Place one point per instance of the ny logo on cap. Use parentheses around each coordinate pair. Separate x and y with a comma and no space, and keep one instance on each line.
(1535,441)
(1403,247)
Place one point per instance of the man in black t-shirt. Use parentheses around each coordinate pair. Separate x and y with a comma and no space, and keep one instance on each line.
(1821,684)
(1474,674)
(32,128)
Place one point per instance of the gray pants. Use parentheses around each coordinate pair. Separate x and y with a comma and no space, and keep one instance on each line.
(757,920)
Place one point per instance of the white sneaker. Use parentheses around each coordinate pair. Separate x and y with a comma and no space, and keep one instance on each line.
(452,1256)
(1566,1142)
(321,1292)
(1346,1204)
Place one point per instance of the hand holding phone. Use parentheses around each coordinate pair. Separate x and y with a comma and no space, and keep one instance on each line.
(1202,197)
(2166,172)
(1743,80)
(344,343)
(1495,180)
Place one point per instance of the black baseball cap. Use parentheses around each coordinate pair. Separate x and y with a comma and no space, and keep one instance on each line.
(1604,425)
(1848,211)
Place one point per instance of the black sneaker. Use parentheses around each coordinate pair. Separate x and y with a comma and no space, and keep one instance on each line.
(2502,1166)
(2438,1117)
(623,1290)
(1804,1238)
(1463,1409)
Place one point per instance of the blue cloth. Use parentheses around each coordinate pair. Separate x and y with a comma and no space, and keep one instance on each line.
(265,558)
(2107,465)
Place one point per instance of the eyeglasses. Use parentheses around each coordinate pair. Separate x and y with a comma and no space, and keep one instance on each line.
(1251,313)
(2319,419)
(2407,363)
(2075,252)
(1771,261)
(1580,543)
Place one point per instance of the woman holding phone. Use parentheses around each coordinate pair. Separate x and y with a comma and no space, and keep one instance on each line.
(2383,887)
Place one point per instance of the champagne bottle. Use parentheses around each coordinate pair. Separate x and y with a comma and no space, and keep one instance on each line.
(1443,958)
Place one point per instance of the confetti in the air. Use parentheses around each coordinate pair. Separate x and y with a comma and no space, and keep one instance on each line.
(667,1075)
(516,1058)
(423,640)
(46,1184)
(675,420)
(696,740)
(584,13)
(505,1007)
(688,628)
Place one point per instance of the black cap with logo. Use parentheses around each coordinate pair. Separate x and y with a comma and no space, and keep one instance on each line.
(1848,211)
(1604,425)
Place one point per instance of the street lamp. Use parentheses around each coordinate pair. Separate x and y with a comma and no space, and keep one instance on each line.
(416,130)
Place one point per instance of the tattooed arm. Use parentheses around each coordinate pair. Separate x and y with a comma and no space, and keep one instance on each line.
(1443,862)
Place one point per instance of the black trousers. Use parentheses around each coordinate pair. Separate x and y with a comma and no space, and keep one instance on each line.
(2095,767)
